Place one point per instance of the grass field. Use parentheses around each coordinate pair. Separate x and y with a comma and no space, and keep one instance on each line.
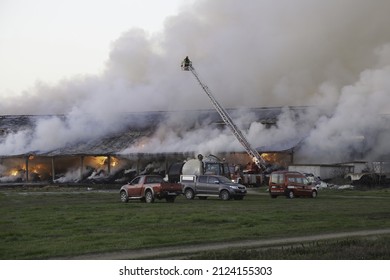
(56,222)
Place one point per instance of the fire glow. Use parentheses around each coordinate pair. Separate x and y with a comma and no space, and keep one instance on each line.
(41,169)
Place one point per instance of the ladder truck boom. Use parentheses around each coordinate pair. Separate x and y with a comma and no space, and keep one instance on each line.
(259,161)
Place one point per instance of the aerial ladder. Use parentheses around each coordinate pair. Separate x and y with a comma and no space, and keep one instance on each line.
(258,160)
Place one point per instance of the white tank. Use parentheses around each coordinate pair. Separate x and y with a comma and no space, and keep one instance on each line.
(193,167)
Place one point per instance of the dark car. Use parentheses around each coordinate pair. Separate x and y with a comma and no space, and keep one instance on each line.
(204,186)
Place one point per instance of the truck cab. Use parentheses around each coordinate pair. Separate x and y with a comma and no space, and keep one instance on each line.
(208,165)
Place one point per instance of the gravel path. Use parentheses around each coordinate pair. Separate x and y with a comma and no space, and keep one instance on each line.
(176,252)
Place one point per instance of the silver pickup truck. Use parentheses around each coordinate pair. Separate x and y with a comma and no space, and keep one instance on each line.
(204,186)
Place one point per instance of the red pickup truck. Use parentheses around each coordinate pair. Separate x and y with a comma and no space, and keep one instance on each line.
(149,187)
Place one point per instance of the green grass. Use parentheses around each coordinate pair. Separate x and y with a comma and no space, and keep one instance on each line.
(377,248)
(39,225)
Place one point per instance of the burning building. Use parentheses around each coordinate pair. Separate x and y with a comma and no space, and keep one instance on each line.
(149,142)
(285,62)
(141,146)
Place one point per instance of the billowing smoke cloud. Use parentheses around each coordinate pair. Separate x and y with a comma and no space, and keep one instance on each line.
(331,55)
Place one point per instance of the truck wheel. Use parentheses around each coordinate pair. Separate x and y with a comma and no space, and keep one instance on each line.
(170,198)
(149,197)
(290,194)
(189,194)
(224,195)
(124,197)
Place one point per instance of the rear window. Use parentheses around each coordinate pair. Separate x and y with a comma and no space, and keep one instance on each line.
(277,178)
(153,180)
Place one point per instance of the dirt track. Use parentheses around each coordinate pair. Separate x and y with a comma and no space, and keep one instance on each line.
(177,252)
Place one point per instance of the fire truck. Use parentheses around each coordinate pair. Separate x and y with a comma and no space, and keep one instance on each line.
(247,176)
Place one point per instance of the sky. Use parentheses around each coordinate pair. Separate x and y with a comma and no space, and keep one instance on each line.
(49,40)
(95,60)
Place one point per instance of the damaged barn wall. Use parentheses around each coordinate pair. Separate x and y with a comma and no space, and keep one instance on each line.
(84,168)
(324,171)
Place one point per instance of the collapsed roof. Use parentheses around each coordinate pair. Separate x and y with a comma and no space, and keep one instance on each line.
(137,125)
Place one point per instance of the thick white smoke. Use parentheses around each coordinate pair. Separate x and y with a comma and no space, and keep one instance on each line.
(332,55)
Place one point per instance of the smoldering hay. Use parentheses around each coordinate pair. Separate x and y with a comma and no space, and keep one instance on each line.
(333,56)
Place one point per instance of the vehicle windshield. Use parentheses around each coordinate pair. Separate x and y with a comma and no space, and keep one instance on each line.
(213,168)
